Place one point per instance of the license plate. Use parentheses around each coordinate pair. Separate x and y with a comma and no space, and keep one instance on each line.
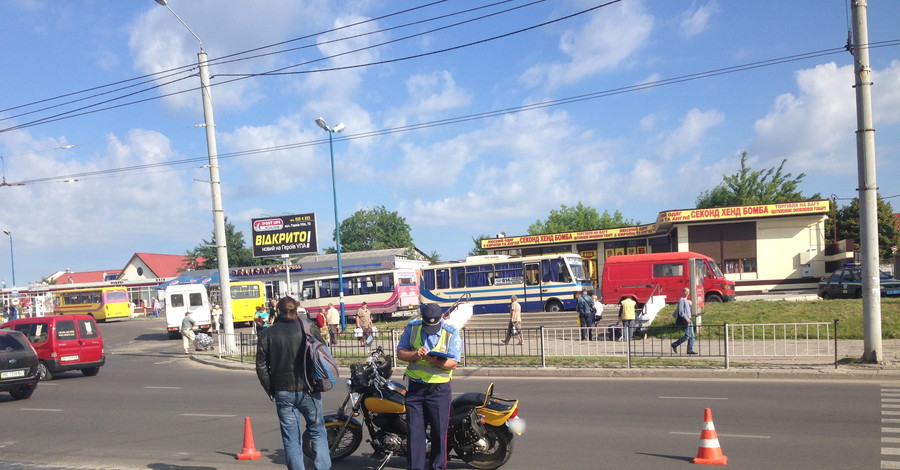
(12,374)
(68,358)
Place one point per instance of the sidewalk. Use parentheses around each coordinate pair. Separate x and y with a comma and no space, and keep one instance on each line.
(762,368)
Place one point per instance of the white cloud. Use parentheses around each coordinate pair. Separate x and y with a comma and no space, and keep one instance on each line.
(434,93)
(609,37)
(694,128)
(696,20)
(159,42)
(814,129)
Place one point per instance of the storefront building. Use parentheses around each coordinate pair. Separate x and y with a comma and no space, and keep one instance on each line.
(765,247)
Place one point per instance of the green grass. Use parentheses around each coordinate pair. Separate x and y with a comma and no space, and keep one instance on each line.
(849,312)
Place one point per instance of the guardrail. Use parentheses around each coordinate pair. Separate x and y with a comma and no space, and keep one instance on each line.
(543,345)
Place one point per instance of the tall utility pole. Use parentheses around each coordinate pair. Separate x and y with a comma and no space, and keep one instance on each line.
(868,189)
(215,187)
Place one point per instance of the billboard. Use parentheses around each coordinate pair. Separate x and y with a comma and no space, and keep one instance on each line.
(284,235)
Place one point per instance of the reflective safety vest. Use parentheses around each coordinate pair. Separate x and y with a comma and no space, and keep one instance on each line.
(423,370)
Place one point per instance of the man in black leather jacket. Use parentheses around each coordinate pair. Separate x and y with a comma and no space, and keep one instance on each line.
(280,368)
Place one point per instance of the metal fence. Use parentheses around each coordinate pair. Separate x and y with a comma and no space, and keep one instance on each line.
(557,345)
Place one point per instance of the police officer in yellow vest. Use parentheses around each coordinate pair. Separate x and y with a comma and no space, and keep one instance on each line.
(432,349)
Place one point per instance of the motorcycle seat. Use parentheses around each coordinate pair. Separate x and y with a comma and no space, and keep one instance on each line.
(469,399)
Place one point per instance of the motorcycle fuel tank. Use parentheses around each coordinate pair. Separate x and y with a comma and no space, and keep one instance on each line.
(393,401)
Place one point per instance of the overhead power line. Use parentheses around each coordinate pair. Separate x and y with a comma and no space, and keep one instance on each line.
(468,117)
(219,61)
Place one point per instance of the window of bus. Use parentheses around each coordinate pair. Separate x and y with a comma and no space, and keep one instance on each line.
(479,276)
(116,296)
(443,278)
(309,290)
(384,283)
(457,277)
(245,292)
(508,273)
(555,270)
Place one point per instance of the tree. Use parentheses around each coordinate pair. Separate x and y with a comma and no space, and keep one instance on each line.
(578,219)
(375,229)
(477,249)
(204,256)
(848,225)
(746,187)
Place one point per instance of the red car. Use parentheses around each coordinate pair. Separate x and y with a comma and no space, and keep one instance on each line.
(63,343)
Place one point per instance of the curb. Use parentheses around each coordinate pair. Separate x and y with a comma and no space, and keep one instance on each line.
(876,373)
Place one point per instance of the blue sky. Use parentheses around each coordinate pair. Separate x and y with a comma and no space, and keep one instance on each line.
(636,149)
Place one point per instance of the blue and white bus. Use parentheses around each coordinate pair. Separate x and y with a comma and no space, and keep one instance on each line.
(541,283)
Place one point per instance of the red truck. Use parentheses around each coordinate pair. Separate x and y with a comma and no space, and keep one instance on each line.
(642,276)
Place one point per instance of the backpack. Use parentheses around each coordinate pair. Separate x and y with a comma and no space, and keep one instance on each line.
(321,370)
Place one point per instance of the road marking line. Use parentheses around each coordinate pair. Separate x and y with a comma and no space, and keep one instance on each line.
(890,412)
(890,420)
(203,415)
(891,440)
(690,398)
(890,429)
(889,399)
(890,465)
(40,409)
(890,451)
(163,388)
(888,405)
(746,436)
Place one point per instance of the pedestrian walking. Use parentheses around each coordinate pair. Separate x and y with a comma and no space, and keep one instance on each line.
(156,307)
(188,337)
(585,307)
(364,322)
(515,321)
(216,316)
(683,318)
(281,373)
(333,320)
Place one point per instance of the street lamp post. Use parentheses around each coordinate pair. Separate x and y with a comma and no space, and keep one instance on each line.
(337,225)
(215,187)
(12,259)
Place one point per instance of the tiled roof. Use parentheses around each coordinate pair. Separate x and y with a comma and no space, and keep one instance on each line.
(165,266)
(85,276)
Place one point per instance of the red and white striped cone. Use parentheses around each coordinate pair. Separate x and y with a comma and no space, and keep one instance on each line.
(709,452)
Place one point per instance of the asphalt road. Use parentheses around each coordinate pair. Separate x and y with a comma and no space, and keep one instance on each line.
(151,407)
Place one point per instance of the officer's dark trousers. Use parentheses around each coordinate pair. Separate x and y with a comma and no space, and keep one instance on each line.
(427,403)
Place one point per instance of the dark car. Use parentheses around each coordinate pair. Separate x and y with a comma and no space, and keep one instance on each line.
(18,365)
(846,283)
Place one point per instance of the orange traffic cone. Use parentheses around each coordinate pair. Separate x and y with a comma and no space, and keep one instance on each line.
(709,452)
(249,452)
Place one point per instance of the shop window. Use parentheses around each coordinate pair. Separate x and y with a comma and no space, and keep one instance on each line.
(741,265)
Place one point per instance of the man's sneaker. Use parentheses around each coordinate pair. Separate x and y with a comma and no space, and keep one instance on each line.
(692,352)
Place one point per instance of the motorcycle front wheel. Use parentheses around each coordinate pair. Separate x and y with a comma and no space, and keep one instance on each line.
(499,449)
(346,447)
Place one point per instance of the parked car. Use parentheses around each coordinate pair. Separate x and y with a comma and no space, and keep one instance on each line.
(63,343)
(846,283)
(19,369)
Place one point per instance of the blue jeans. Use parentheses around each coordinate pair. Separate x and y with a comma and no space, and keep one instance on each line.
(290,405)
(688,336)
(627,326)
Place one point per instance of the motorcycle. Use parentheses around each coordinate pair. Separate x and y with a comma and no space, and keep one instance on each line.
(481,424)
